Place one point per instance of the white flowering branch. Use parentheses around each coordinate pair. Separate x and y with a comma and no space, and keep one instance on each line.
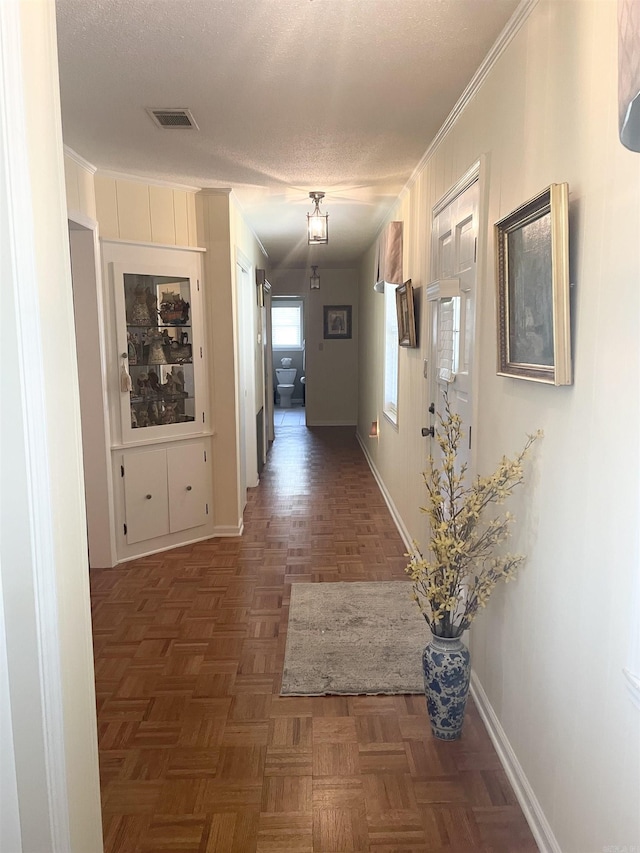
(463,569)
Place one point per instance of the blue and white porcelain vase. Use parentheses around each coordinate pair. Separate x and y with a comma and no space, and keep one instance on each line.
(446,665)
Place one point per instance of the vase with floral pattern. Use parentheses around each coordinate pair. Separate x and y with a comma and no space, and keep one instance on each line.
(446,665)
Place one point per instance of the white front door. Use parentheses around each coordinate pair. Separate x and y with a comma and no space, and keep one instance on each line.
(452,301)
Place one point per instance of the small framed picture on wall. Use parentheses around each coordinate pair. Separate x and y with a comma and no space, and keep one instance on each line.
(337,322)
(406,315)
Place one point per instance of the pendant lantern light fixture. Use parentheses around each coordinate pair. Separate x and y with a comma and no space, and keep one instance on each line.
(317,222)
(314,281)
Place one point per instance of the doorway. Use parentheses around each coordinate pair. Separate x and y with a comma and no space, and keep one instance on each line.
(288,361)
(247,441)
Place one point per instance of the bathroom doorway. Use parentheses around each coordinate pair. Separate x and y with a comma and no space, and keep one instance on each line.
(288,361)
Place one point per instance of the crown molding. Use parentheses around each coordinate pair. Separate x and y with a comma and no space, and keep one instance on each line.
(215,191)
(500,45)
(84,164)
(152,182)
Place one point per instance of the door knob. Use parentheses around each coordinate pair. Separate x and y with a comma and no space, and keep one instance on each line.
(148,497)
(432,408)
(428,431)
(188,488)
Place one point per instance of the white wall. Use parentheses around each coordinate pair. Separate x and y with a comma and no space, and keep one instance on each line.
(43,544)
(331,365)
(550,649)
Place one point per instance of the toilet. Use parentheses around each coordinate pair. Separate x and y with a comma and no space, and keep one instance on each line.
(286,377)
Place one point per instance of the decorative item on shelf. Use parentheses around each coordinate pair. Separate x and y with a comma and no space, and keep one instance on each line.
(142,382)
(154,384)
(154,413)
(179,353)
(132,349)
(125,380)
(461,568)
(173,308)
(143,418)
(317,223)
(156,350)
(169,413)
(169,388)
(314,281)
(141,315)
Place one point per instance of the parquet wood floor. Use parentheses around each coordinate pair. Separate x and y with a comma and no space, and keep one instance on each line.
(198,752)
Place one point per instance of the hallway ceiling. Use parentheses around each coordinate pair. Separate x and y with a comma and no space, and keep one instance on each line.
(290,96)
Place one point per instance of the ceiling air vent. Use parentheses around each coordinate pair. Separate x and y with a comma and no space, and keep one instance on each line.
(171,119)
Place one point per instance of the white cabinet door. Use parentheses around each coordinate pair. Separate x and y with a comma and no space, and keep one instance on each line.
(155,311)
(188,492)
(146,495)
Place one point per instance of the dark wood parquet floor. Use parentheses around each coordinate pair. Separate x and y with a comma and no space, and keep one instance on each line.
(198,752)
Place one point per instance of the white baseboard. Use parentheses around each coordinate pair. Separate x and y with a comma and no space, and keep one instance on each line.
(331,423)
(529,804)
(402,530)
(226,530)
(137,556)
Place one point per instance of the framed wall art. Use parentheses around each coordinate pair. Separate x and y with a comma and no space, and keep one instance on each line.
(532,256)
(406,315)
(337,322)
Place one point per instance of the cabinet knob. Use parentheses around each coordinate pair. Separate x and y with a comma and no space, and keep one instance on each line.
(188,488)
(148,497)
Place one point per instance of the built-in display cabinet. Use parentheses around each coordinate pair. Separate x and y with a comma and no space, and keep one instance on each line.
(158,396)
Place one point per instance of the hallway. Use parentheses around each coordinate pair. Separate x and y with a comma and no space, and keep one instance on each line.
(197,750)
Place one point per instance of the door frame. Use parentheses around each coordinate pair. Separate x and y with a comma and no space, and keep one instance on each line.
(246,324)
(49,740)
(88,302)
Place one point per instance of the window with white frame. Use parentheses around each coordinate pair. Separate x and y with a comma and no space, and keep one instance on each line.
(390,407)
(287,324)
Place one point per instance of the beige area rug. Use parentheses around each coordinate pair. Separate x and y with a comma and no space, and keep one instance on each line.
(353,638)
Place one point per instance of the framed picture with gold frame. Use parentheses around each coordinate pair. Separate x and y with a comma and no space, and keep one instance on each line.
(532,257)
(406,315)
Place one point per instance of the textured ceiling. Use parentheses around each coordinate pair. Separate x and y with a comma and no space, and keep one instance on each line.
(290,96)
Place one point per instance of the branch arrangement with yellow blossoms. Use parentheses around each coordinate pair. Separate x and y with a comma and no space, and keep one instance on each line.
(462,568)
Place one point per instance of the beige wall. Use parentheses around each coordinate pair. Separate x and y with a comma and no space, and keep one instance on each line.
(146,213)
(214,235)
(80,187)
(222,231)
(550,648)
(331,366)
